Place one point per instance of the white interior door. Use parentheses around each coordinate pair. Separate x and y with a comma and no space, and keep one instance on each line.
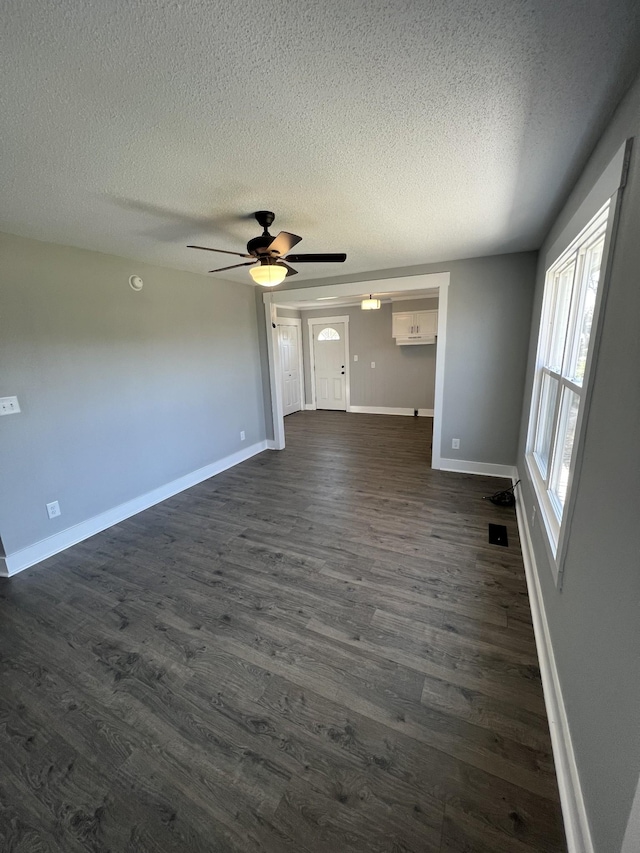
(330,366)
(289,343)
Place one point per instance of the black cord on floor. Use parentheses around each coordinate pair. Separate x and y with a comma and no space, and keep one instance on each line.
(503,498)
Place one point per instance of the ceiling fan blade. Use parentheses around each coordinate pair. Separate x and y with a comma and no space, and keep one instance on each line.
(234,266)
(224,251)
(290,270)
(283,242)
(337,258)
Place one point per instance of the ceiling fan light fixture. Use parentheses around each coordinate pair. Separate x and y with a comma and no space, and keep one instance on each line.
(370,304)
(268,275)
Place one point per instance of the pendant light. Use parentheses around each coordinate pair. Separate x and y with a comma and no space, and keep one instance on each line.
(370,304)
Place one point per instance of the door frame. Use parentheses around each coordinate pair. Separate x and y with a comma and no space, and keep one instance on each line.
(327,321)
(285,298)
(295,321)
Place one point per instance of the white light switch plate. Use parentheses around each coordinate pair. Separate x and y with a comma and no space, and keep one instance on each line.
(9,406)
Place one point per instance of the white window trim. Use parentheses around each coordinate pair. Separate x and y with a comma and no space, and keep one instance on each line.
(609,186)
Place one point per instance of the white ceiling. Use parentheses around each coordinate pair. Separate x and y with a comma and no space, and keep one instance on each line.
(314,304)
(399,131)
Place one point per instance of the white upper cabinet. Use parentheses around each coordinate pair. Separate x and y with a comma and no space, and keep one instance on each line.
(403,324)
(415,327)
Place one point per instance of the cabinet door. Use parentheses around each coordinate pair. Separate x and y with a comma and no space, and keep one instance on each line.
(426,322)
(403,324)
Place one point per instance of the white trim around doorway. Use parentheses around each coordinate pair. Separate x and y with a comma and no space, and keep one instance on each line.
(284,298)
(327,321)
(443,307)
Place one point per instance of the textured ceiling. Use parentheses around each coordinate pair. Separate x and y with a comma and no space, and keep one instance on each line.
(399,131)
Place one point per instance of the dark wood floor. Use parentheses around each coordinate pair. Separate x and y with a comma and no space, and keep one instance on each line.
(317,650)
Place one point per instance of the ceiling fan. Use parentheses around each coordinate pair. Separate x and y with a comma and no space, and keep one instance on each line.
(270,254)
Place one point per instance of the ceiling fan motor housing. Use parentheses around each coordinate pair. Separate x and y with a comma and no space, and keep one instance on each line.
(259,245)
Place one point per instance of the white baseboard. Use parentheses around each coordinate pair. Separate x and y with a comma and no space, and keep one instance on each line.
(489,469)
(309,407)
(576,823)
(390,410)
(271,445)
(11,564)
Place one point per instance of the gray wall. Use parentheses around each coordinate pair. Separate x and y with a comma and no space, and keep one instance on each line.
(121,392)
(404,377)
(488,329)
(595,619)
(291,313)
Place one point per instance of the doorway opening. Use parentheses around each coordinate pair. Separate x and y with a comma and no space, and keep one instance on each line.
(332,362)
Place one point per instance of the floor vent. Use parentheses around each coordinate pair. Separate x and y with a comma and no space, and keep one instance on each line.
(498,535)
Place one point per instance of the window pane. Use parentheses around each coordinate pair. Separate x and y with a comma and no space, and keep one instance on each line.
(559,316)
(568,316)
(328,335)
(545,422)
(585,308)
(564,447)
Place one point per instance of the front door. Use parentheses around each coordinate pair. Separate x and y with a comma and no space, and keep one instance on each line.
(330,364)
(289,364)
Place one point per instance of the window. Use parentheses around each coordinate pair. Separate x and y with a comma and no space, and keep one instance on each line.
(328,335)
(568,316)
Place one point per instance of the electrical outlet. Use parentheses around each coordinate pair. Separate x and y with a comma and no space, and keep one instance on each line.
(355,358)
(53,509)
(242,435)
(455,444)
(373,364)
(9,406)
